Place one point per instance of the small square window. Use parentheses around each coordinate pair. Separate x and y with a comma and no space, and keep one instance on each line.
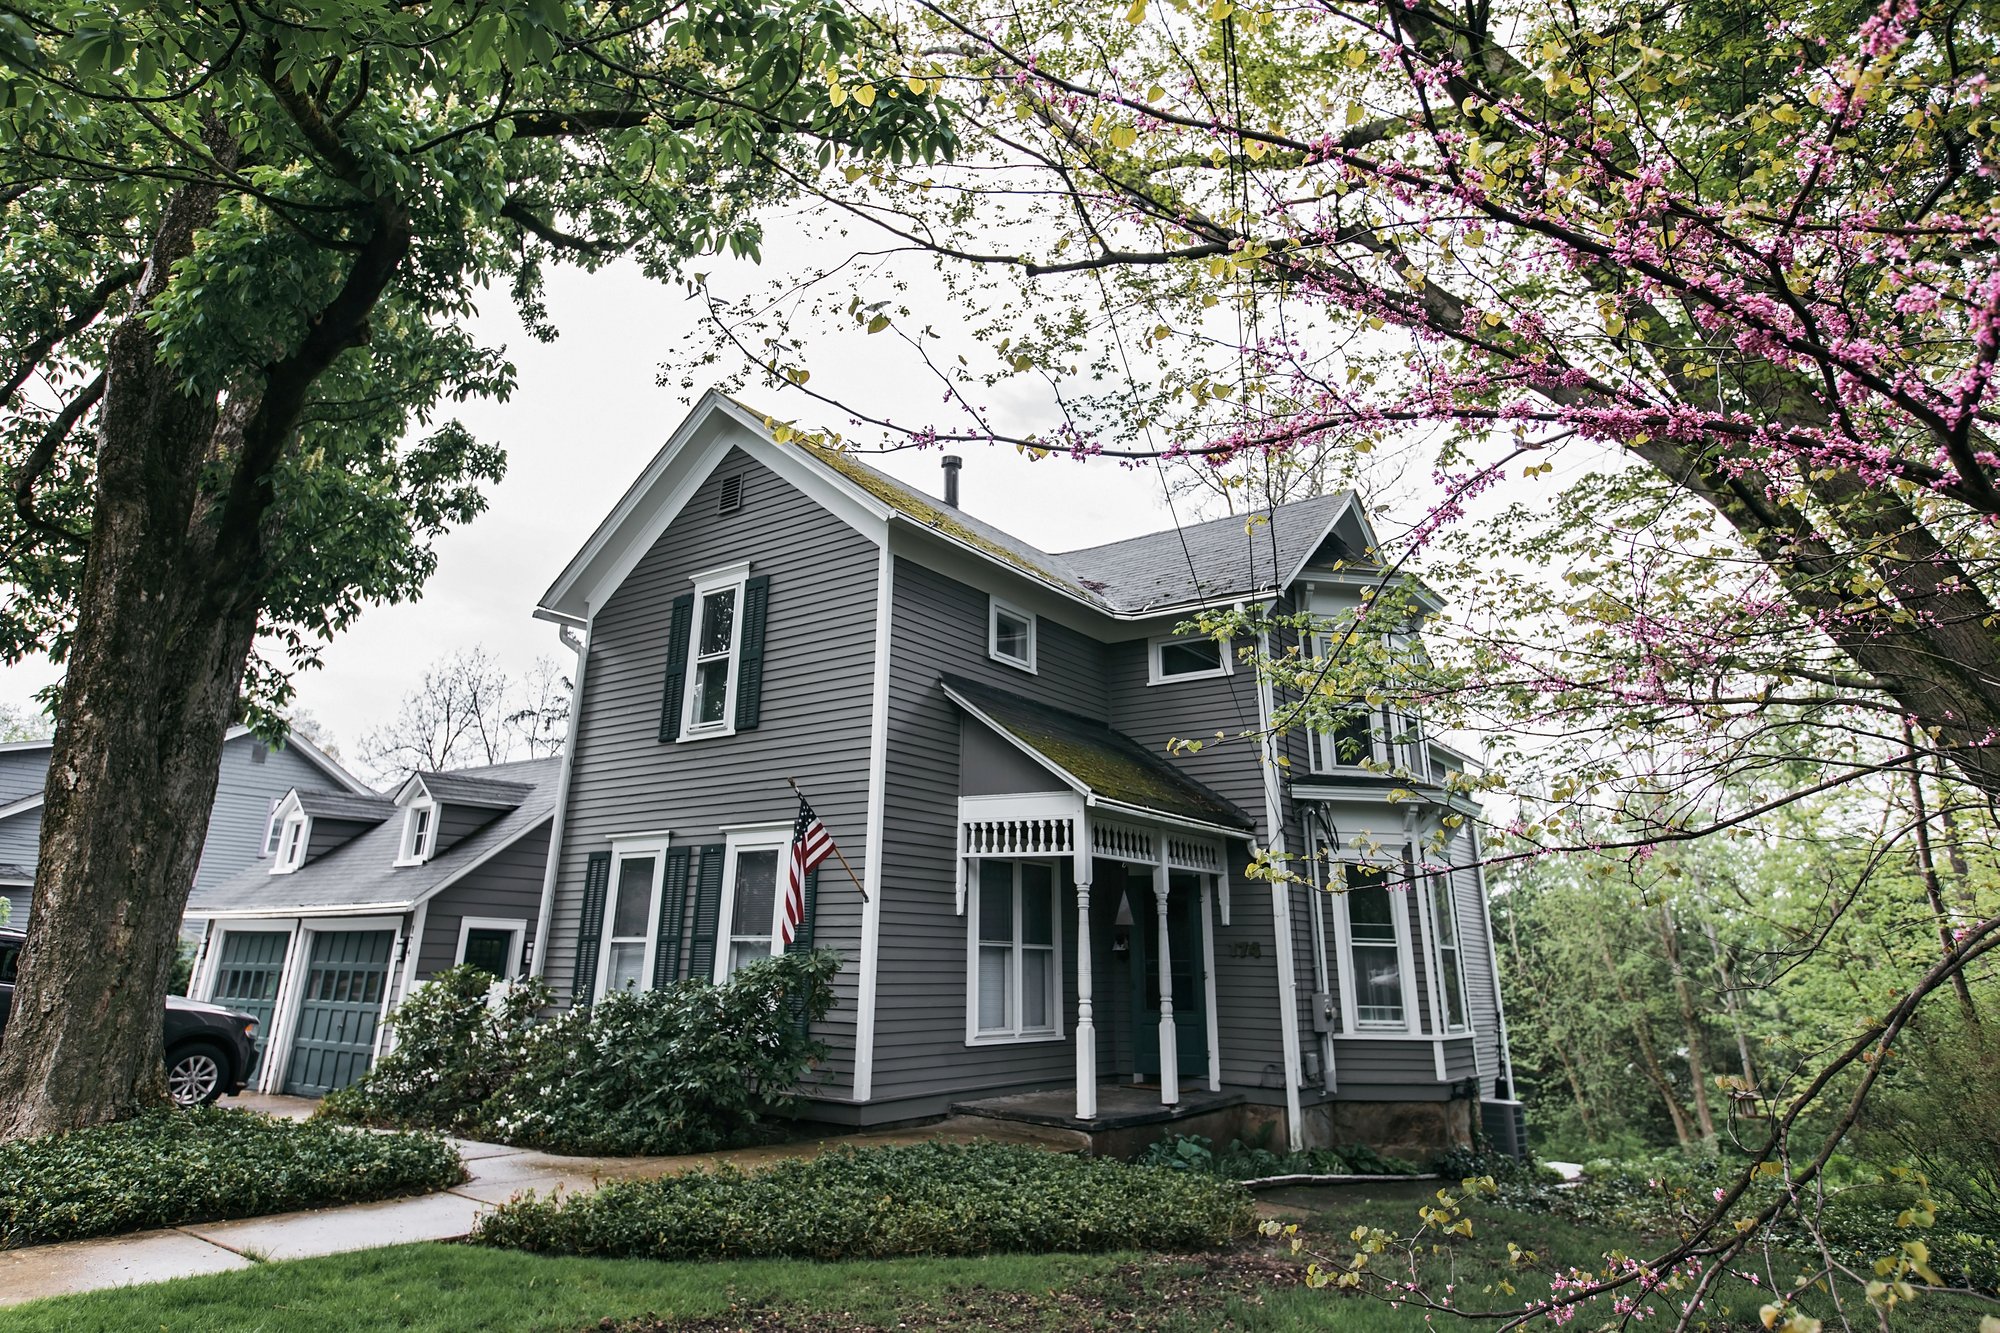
(1190,658)
(1011,635)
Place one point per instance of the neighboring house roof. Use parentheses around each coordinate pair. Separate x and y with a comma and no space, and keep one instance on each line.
(1094,759)
(361,876)
(370,809)
(26,795)
(13,874)
(457,788)
(1224,560)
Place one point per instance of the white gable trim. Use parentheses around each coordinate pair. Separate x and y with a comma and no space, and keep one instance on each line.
(22,806)
(643,514)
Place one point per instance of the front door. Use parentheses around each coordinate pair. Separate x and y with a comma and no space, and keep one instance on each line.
(246,975)
(339,1009)
(1184,967)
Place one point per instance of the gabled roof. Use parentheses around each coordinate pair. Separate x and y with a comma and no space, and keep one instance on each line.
(19,787)
(370,809)
(459,788)
(1148,576)
(360,875)
(1093,759)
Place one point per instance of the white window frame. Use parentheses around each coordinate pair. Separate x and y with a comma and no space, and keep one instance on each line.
(1444,899)
(1156,673)
(732,579)
(623,850)
(1014,1034)
(1350,1022)
(995,607)
(512,925)
(269,846)
(292,846)
(415,848)
(738,839)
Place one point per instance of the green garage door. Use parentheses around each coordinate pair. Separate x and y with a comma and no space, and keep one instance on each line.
(246,976)
(338,1010)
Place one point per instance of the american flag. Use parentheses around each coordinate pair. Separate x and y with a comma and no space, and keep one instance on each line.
(811,844)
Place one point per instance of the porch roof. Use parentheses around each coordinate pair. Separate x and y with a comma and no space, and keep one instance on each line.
(1093,758)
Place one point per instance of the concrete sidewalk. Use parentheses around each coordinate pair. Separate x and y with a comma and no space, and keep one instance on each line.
(495,1174)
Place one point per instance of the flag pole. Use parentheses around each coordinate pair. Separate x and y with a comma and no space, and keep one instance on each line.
(836,846)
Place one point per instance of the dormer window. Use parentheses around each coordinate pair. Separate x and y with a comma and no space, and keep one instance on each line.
(272,827)
(1010,635)
(292,838)
(419,834)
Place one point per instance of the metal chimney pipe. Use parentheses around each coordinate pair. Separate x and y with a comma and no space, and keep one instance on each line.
(952,463)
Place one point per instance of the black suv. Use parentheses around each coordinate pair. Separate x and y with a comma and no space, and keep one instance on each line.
(210,1050)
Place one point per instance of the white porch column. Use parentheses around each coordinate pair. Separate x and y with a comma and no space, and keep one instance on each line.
(1086,1023)
(1170,1065)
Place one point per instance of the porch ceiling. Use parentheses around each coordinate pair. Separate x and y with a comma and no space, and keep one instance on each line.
(1093,757)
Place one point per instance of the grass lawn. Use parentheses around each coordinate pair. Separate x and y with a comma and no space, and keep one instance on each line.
(464,1288)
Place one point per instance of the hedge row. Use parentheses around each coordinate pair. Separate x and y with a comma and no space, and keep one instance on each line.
(927,1199)
(167,1168)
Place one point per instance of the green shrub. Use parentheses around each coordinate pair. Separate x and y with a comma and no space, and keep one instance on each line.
(687,1068)
(167,1168)
(927,1199)
(1937,1110)
(459,1040)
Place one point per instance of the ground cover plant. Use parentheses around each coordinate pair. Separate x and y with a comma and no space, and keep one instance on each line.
(689,1067)
(1251,1161)
(166,1168)
(924,1199)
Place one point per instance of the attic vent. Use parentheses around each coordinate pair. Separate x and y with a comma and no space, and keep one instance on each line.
(732,494)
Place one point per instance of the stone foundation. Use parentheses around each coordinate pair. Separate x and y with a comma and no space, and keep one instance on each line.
(1395,1129)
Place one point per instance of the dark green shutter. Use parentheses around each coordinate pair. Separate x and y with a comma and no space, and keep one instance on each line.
(680,624)
(590,931)
(802,940)
(673,910)
(750,662)
(707,911)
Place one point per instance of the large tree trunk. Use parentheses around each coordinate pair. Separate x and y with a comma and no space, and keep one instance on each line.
(1649,1056)
(1697,1054)
(148,695)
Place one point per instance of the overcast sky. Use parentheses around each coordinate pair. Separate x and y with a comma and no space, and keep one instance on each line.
(586,417)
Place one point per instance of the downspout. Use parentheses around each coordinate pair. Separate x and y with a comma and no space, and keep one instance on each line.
(1281,914)
(546,914)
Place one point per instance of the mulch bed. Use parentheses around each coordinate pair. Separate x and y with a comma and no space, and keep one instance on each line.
(1166,1290)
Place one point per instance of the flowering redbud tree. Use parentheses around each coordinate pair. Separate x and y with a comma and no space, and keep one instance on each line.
(1680,323)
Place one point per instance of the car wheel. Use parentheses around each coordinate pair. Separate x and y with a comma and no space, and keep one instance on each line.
(194,1075)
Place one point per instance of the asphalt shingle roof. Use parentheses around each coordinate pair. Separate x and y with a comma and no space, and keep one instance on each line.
(458,788)
(1108,762)
(346,805)
(362,872)
(1221,559)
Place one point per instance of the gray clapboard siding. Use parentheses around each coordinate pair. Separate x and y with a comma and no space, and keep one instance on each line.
(507,887)
(246,788)
(1154,715)
(817,692)
(456,823)
(1246,985)
(16,916)
(1481,986)
(1386,1069)
(23,771)
(939,625)
(326,834)
(21,839)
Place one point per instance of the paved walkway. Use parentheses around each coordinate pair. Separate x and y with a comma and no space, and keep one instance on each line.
(496,1174)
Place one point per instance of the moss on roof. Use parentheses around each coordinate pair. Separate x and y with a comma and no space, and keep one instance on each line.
(1110,763)
(915,506)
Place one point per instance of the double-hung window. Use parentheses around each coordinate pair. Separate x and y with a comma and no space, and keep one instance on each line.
(750,900)
(629,917)
(1192,658)
(419,834)
(714,649)
(272,827)
(1010,634)
(292,838)
(1375,942)
(1451,962)
(1015,961)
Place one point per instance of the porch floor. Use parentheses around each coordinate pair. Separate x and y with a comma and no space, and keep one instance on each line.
(1119,1106)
